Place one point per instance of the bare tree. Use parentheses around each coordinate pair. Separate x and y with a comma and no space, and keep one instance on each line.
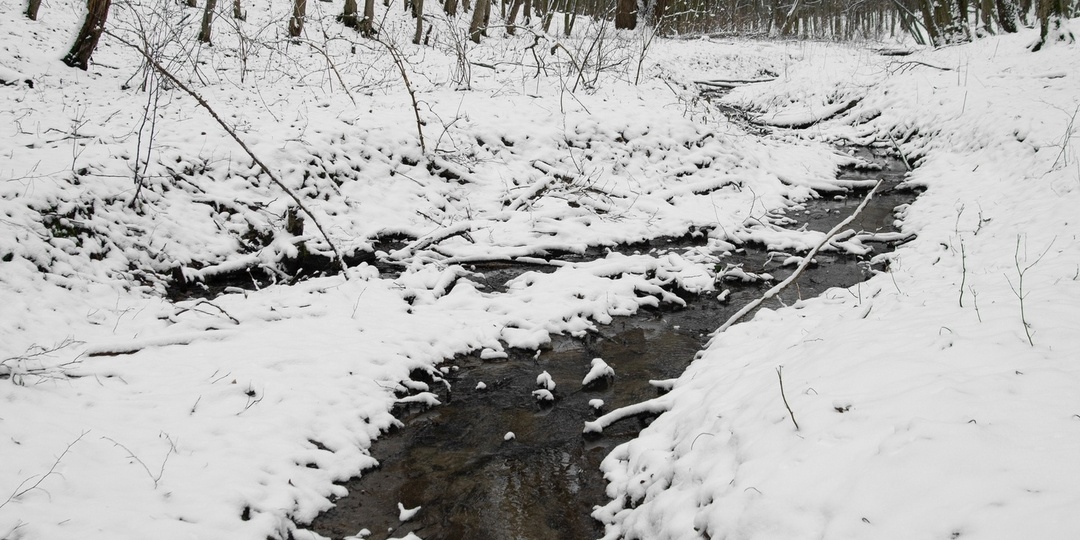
(477,25)
(207,21)
(418,12)
(96,13)
(514,8)
(32,9)
(348,14)
(296,21)
(1006,15)
(367,25)
(1053,23)
(625,14)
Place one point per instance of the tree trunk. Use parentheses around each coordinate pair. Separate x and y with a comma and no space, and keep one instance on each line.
(32,9)
(348,15)
(659,10)
(943,19)
(928,22)
(192,3)
(296,22)
(487,17)
(962,19)
(207,21)
(514,8)
(79,55)
(237,11)
(418,10)
(1024,12)
(1006,15)
(450,7)
(986,11)
(367,25)
(625,14)
(477,23)
(1053,23)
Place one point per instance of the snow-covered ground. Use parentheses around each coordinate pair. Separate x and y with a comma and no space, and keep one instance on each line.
(925,409)
(129,416)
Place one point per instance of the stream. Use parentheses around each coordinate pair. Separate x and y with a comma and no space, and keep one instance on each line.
(454,460)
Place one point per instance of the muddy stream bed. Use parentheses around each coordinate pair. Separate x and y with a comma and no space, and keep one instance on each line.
(452,460)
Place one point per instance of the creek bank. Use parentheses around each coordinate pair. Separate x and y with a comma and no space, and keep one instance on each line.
(494,462)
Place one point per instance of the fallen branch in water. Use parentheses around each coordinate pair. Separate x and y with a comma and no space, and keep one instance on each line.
(802,266)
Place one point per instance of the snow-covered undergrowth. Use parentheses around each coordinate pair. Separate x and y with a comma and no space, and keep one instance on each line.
(925,407)
(130,416)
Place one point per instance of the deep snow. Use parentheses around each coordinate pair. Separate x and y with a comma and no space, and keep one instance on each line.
(129,416)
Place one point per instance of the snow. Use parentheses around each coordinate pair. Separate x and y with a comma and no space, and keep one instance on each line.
(599,370)
(922,413)
(545,381)
(405,514)
(509,436)
(543,394)
(925,408)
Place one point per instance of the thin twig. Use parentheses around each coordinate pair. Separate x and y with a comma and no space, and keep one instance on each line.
(19,492)
(161,472)
(1018,290)
(780,376)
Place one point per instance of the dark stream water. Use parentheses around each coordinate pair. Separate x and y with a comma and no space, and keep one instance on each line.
(471,483)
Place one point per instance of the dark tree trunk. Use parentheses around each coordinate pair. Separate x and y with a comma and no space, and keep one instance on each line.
(450,7)
(418,10)
(625,14)
(192,3)
(207,21)
(986,12)
(367,25)
(929,22)
(348,14)
(476,25)
(1025,11)
(1006,15)
(32,9)
(237,11)
(962,18)
(659,10)
(943,19)
(296,22)
(514,8)
(79,55)
(1053,23)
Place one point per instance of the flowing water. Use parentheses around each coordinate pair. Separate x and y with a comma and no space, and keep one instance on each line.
(455,462)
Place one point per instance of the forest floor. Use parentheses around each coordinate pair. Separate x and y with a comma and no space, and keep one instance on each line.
(173,366)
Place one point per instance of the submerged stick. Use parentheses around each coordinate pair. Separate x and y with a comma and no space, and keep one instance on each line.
(802,266)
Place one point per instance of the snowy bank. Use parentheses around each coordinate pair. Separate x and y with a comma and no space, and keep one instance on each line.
(936,400)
